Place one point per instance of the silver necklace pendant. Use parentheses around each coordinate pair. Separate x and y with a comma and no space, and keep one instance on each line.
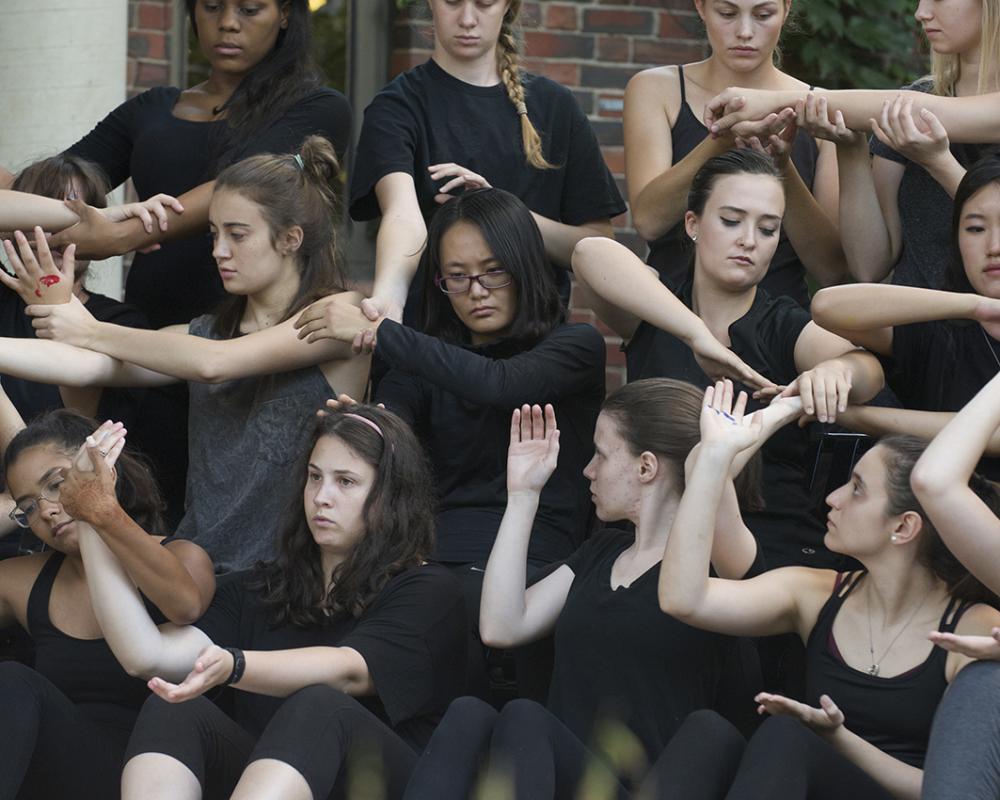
(873,670)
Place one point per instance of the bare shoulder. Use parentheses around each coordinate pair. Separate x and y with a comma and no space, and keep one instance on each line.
(978,620)
(655,89)
(809,587)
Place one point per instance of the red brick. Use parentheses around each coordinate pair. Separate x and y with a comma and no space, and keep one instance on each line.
(618,21)
(561,17)
(613,48)
(531,15)
(559,45)
(154,15)
(152,75)
(613,348)
(147,45)
(403,60)
(566,74)
(675,26)
(614,157)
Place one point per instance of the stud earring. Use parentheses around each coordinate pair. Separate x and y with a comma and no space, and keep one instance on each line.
(694,237)
(894,538)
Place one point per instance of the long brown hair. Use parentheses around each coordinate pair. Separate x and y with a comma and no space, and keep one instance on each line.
(399,525)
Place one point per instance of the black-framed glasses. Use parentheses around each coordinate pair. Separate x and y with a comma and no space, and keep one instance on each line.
(460,284)
(23,512)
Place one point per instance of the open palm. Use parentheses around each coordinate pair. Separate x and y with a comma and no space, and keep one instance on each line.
(534,448)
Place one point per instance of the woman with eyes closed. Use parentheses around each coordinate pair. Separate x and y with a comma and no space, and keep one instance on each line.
(720,323)
(253,383)
(666,144)
(492,338)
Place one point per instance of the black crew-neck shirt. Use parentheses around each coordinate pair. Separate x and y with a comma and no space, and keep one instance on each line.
(459,400)
(426,116)
(788,531)
(412,637)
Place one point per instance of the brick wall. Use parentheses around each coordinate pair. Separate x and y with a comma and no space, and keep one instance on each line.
(150,42)
(593,47)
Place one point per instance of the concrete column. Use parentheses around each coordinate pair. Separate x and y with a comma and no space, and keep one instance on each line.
(63,66)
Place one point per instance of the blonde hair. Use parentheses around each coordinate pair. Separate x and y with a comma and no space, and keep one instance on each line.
(510,74)
(947,69)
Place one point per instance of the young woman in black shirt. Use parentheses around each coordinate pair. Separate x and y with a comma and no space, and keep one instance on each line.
(666,143)
(620,665)
(721,323)
(873,681)
(942,346)
(346,648)
(492,338)
(468,118)
(67,720)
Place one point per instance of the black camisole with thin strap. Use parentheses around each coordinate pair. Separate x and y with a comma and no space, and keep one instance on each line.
(671,253)
(85,670)
(894,714)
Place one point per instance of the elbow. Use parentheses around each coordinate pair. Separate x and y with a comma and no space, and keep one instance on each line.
(675,606)
(822,306)
(645,224)
(137,667)
(924,482)
(212,369)
(586,251)
(186,612)
(494,634)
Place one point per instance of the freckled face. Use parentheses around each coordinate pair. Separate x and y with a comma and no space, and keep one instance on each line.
(613,473)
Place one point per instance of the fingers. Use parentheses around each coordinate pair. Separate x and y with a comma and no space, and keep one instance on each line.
(515,426)
(551,429)
(934,124)
(69,263)
(371,310)
(832,711)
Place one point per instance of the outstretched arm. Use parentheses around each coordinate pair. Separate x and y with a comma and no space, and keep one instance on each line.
(64,365)
(510,614)
(941,482)
(884,421)
(22,211)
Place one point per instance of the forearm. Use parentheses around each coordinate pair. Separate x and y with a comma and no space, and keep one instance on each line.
(10,421)
(734,548)
(23,211)
(901,780)
(811,232)
(560,238)
(140,647)
(192,221)
(869,248)
(617,275)
(662,202)
(863,307)
(56,363)
(279,673)
(947,171)
(157,572)
(398,246)
(502,607)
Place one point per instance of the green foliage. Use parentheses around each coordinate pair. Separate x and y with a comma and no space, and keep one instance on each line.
(864,44)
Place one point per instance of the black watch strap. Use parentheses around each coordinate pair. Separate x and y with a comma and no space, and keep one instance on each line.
(239,664)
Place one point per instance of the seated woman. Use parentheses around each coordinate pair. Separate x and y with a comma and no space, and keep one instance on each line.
(962,757)
(346,648)
(943,346)
(720,323)
(873,681)
(252,382)
(621,667)
(493,337)
(68,719)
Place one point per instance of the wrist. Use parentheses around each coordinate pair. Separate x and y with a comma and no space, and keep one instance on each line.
(239,666)
(523,498)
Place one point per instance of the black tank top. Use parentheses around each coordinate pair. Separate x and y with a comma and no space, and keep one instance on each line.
(85,670)
(670,255)
(894,714)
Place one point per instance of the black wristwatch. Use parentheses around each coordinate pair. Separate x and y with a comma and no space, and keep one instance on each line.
(239,664)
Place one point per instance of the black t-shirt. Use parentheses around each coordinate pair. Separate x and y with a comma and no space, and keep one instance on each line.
(412,637)
(765,337)
(941,366)
(924,212)
(142,139)
(617,656)
(30,398)
(426,116)
(460,399)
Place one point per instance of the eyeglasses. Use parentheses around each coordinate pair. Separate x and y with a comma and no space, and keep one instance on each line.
(459,284)
(23,512)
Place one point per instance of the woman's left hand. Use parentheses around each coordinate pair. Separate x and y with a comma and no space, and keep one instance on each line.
(37,277)
(723,422)
(983,648)
(213,668)
(922,139)
(70,322)
(87,491)
(824,720)
(824,390)
(156,206)
(461,178)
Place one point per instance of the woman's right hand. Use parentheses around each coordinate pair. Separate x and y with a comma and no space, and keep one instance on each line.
(87,491)
(38,279)
(983,648)
(814,118)
(922,139)
(155,206)
(534,449)
(718,362)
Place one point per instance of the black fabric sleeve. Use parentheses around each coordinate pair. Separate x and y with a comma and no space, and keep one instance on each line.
(221,622)
(413,640)
(387,144)
(562,364)
(109,144)
(778,332)
(324,112)
(403,395)
(590,192)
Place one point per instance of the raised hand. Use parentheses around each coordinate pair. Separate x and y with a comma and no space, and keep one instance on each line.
(87,491)
(533,450)
(825,719)
(37,277)
(718,362)
(983,648)
(213,668)
(461,178)
(723,422)
(68,322)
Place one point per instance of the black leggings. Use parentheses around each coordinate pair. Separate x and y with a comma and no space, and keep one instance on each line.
(318,731)
(708,759)
(52,748)
(523,744)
